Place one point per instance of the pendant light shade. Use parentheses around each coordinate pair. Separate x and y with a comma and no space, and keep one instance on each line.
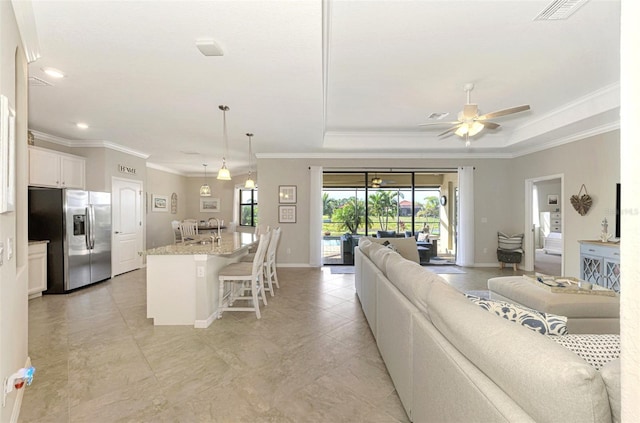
(250,183)
(205,189)
(223,173)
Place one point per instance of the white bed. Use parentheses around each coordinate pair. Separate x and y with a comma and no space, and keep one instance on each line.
(553,243)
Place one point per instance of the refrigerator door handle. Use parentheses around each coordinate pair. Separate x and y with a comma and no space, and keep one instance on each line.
(91,224)
(87,228)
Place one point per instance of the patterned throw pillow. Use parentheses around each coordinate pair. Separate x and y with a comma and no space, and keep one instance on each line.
(596,350)
(390,246)
(538,321)
(510,242)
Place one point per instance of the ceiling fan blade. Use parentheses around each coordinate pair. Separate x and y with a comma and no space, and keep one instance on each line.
(490,125)
(452,129)
(439,123)
(470,111)
(504,112)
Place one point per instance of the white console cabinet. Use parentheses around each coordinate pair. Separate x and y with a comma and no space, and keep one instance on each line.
(37,268)
(49,168)
(600,263)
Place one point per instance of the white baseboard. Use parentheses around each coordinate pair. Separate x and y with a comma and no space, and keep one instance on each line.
(203,324)
(295,265)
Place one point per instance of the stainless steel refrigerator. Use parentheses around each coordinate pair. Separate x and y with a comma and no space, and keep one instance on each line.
(77,225)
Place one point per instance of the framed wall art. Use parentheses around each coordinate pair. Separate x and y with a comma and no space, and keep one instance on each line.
(159,203)
(286,214)
(288,194)
(209,205)
(552,199)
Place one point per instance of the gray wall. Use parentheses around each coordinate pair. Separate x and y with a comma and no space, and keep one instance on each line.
(594,162)
(159,223)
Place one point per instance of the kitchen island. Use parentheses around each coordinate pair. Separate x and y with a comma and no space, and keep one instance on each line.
(182,279)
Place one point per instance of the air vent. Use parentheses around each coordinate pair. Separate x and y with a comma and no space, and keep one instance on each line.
(37,82)
(560,9)
(438,116)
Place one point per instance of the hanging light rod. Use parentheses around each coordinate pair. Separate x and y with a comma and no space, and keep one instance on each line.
(205,189)
(223,173)
(250,183)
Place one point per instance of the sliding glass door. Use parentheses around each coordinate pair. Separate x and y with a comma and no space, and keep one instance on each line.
(395,204)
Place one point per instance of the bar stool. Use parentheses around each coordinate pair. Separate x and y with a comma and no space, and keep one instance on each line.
(242,277)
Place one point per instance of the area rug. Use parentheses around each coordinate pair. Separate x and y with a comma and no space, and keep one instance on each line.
(340,270)
(435,261)
(445,269)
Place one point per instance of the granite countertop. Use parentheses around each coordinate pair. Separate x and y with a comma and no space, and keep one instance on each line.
(33,242)
(230,243)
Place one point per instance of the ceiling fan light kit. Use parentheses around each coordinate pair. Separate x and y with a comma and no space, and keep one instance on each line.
(470,122)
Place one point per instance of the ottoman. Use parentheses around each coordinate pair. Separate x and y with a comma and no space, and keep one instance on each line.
(586,313)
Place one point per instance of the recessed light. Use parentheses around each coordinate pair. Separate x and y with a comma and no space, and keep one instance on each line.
(54,73)
(82,125)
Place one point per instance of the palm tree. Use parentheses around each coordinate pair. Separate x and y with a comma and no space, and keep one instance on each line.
(384,205)
(328,205)
(350,216)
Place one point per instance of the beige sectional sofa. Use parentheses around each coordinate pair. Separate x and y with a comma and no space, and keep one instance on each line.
(452,361)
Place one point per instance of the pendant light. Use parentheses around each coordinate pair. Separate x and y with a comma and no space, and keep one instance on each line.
(223,173)
(250,183)
(205,189)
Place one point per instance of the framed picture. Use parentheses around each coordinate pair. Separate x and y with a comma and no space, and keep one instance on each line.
(286,214)
(288,194)
(552,199)
(209,205)
(159,203)
(7,156)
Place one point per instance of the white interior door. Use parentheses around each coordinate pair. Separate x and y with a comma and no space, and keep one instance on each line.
(127,225)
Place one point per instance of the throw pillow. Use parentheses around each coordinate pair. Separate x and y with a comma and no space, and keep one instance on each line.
(422,237)
(596,350)
(537,321)
(510,242)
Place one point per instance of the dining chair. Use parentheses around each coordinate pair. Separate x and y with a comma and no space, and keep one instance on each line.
(175,228)
(188,230)
(242,277)
(269,273)
(270,260)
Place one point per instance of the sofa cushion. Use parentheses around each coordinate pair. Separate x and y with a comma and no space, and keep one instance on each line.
(386,234)
(611,375)
(544,323)
(520,361)
(406,247)
(379,257)
(364,244)
(596,350)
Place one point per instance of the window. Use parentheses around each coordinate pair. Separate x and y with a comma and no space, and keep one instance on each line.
(248,207)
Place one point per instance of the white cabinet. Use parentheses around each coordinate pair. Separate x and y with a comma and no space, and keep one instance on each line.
(555,221)
(37,268)
(48,168)
(600,263)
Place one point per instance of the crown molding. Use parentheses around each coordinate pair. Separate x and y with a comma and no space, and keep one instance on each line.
(602,129)
(164,169)
(469,154)
(23,11)
(88,143)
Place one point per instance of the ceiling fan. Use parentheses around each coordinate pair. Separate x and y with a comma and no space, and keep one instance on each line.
(470,122)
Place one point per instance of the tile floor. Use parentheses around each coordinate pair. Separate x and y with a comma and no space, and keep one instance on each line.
(311,358)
